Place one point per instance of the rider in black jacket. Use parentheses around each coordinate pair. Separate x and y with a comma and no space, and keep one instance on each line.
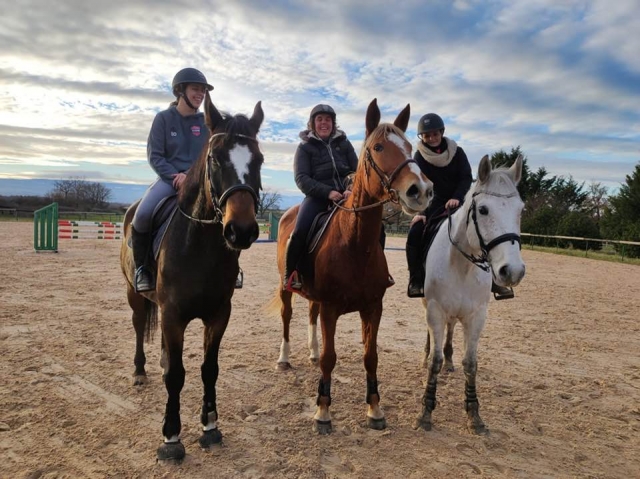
(323,160)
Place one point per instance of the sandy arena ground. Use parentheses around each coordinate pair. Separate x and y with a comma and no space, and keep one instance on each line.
(558,382)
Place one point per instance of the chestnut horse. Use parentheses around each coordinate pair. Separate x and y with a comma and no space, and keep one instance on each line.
(198,264)
(349,267)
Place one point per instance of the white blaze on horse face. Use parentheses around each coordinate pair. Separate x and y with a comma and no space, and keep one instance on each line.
(400,143)
(240,157)
(421,201)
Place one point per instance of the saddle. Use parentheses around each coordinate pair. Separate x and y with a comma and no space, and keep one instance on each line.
(318,227)
(431,228)
(161,218)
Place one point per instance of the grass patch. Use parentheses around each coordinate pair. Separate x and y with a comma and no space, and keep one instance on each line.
(608,254)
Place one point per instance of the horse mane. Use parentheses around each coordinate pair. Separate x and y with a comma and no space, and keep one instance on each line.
(232,125)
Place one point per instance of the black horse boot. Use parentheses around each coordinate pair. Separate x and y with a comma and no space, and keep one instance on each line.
(144,278)
(291,257)
(416,272)
(501,292)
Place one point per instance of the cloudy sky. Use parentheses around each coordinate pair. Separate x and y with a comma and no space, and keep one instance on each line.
(81,80)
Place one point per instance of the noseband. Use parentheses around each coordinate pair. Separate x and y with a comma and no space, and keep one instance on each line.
(482,261)
(220,201)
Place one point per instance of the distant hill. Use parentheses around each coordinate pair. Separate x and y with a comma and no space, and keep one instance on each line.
(120,192)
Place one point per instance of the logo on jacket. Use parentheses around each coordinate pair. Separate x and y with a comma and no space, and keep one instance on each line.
(195,129)
(174,132)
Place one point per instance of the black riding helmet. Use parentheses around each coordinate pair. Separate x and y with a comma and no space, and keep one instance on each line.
(189,75)
(321,108)
(183,78)
(430,122)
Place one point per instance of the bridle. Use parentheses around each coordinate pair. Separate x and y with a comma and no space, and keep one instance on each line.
(385,180)
(220,201)
(482,261)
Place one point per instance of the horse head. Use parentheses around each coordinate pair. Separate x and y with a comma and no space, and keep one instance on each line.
(388,153)
(233,168)
(493,220)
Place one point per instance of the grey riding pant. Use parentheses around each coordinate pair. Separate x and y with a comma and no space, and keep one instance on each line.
(156,192)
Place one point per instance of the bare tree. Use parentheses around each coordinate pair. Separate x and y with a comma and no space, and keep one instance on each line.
(80,193)
(269,200)
(597,199)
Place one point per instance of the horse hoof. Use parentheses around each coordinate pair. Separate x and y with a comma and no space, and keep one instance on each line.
(210,438)
(422,423)
(140,380)
(283,366)
(322,427)
(478,429)
(171,452)
(449,369)
(314,361)
(377,424)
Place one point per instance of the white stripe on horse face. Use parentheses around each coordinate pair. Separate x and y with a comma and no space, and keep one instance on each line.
(240,158)
(400,143)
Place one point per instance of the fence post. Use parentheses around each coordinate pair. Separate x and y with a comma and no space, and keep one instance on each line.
(45,228)
(273,226)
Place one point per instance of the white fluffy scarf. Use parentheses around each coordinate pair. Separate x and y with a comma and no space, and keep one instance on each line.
(439,159)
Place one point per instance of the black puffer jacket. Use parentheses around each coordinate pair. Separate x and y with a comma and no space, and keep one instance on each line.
(320,167)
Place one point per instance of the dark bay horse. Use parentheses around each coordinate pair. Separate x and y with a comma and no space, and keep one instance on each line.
(198,264)
(349,267)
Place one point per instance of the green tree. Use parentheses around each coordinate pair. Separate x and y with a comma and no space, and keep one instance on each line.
(621,219)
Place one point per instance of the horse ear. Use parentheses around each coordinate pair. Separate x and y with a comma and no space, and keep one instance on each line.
(211,113)
(402,121)
(484,169)
(516,170)
(257,117)
(373,117)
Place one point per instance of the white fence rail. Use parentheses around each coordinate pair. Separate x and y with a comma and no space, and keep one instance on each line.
(586,240)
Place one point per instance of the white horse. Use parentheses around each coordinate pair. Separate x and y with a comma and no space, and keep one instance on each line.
(480,242)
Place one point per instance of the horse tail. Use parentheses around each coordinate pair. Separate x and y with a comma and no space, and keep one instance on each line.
(151,324)
(272,308)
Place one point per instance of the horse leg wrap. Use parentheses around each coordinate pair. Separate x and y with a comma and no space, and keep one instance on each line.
(207,409)
(324,389)
(372,388)
(429,398)
(471,399)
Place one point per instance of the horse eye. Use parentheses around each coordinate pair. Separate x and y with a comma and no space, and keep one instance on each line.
(378,147)
(483,210)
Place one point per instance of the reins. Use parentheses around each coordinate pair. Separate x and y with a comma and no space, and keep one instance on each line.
(219,202)
(482,261)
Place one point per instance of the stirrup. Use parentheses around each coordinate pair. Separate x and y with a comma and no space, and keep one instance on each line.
(293,283)
(239,279)
(143,280)
(502,292)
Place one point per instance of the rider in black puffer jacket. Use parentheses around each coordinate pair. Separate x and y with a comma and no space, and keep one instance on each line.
(323,160)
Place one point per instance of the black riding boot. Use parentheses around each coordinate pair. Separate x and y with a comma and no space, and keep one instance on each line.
(144,277)
(501,292)
(416,272)
(291,258)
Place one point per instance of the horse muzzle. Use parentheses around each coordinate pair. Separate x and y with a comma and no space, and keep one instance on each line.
(509,274)
(417,196)
(240,229)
